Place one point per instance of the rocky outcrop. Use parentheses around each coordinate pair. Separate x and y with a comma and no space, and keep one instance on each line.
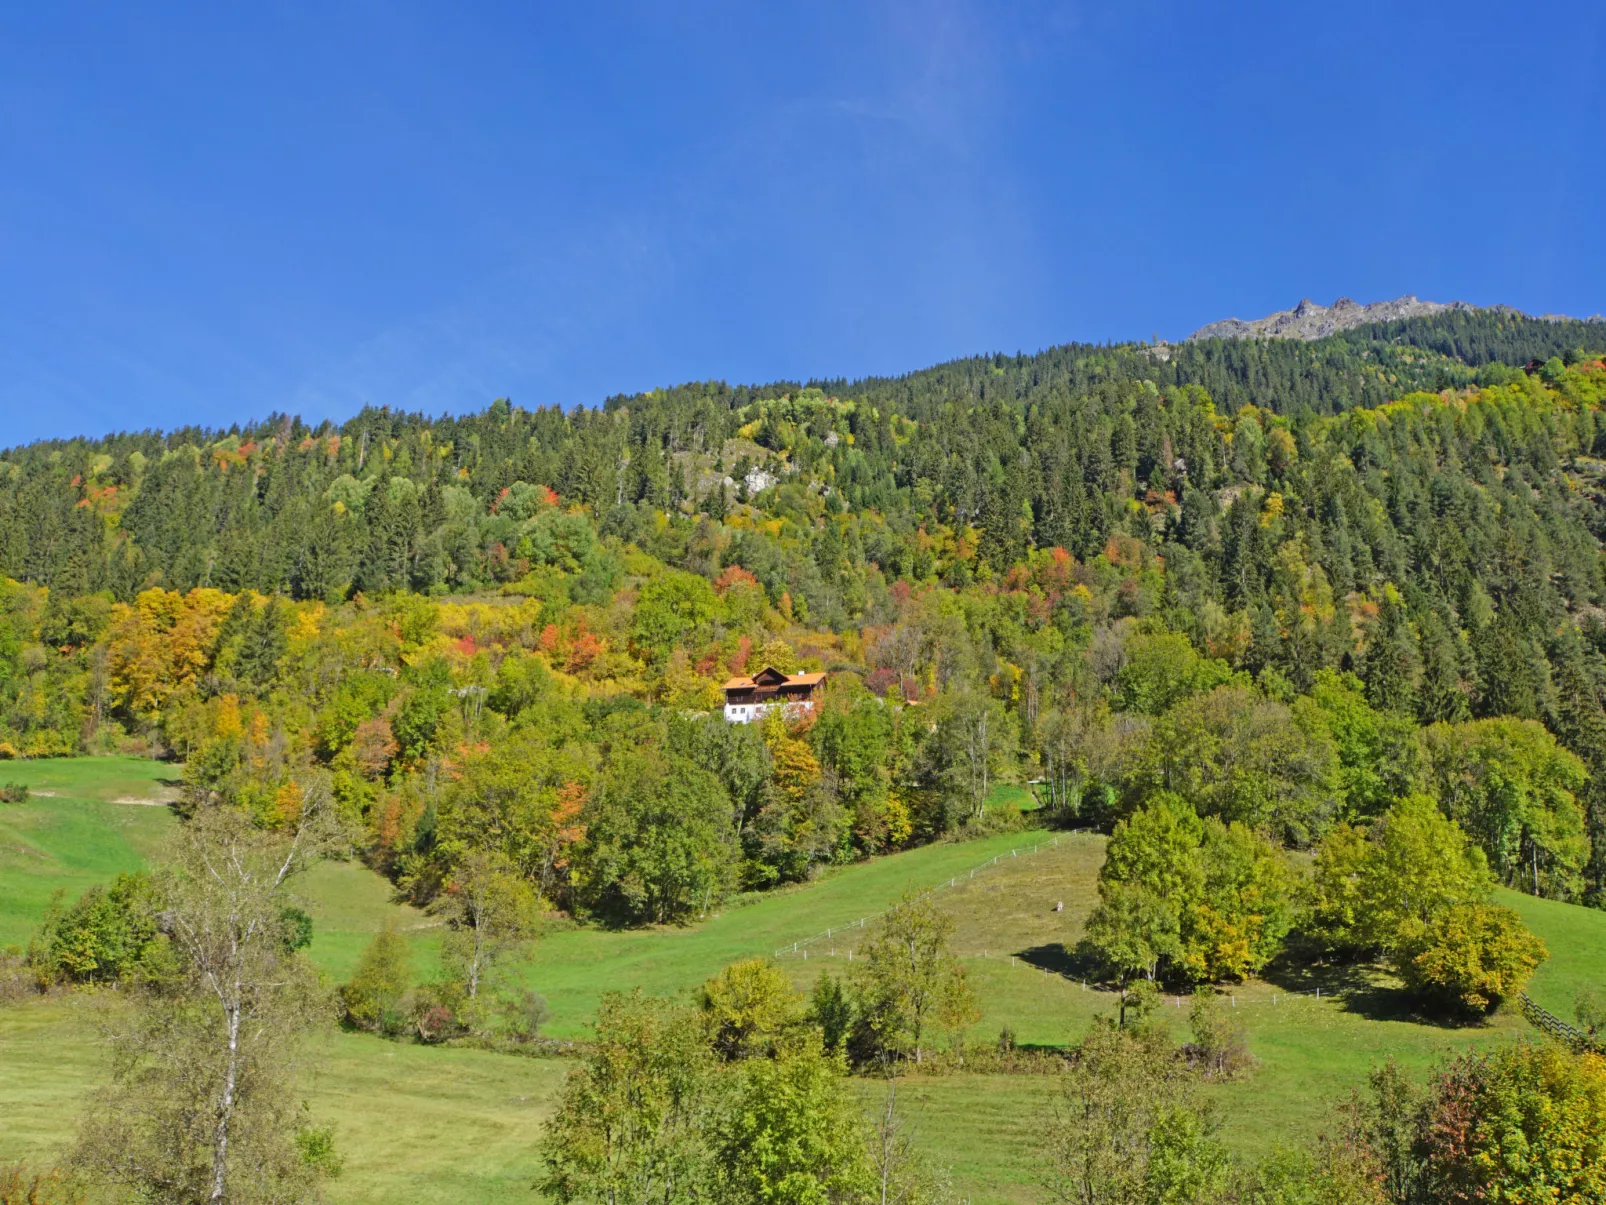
(1307,320)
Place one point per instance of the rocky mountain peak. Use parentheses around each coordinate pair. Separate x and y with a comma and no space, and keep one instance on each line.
(1311,320)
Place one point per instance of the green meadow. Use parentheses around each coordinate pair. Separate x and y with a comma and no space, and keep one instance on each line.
(428,1124)
(87,820)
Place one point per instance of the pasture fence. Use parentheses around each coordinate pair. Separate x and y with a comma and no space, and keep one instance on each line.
(1552,1026)
(801,947)
(1233,999)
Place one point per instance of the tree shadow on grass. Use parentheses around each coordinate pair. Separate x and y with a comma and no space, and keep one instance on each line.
(1059,960)
(1363,988)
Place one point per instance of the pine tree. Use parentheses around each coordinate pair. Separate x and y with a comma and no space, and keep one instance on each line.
(1580,723)
(263,644)
(1390,664)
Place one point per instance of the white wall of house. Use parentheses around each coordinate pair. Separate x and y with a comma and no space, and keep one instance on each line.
(746,713)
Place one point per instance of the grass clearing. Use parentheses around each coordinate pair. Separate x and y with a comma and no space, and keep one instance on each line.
(985,1129)
(415,1124)
(71,835)
(574,966)
(81,827)
(349,903)
(1577,941)
(422,1124)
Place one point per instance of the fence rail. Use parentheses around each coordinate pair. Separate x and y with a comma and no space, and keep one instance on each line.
(1229,997)
(1549,1024)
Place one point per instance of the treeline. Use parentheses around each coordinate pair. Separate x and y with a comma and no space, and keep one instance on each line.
(1291,622)
(400,501)
(1480,337)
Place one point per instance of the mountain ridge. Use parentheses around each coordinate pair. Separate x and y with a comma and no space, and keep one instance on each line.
(1309,320)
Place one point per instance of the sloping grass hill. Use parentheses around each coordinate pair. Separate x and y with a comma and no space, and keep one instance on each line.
(438,1124)
(87,819)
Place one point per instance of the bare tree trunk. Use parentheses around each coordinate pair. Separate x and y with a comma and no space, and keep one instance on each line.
(224,917)
(884,1132)
(979,751)
(474,963)
(225,1111)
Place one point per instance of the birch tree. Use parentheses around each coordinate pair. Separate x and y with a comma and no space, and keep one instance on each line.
(202,1103)
(978,744)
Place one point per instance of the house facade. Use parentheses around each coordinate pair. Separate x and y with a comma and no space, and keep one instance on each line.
(748,699)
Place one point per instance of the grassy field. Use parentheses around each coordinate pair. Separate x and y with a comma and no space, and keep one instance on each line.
(426,1124)
(573,967)
(88,819)
(1311,1052)
(78,829)
(414,1124)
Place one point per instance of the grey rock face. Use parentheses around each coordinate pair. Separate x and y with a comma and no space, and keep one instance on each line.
(1308,320)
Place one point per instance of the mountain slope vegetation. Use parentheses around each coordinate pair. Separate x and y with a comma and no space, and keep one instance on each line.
(1050,560)
(1314,631)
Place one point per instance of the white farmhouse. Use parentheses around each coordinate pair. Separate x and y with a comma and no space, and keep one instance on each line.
(747,699)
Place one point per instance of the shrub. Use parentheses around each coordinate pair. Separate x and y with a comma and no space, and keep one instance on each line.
(1220,1046)
(17,979)
(372,999)
(1128,1125)
(22,1185)
(297,929)
(1590,1011)
(831,1011)
(1527,1123)
(1333,1173)
(748,1008)
(1468,958)
(996,820)
(436,1012)
(316,1146)
(14,792)
(107,934)
(791,1130)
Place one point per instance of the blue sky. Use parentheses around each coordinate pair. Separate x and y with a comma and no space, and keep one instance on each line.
(213,212)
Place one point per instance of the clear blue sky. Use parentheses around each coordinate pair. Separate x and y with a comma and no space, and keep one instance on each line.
(210,212)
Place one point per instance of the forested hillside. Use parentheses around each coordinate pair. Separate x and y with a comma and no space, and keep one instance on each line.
(1292,583)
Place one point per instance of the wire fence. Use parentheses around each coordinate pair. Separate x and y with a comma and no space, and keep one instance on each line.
(1070,980)
(801,947)
(825,944)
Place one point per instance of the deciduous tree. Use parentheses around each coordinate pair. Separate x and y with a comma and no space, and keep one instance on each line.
(202,1105)
(907,983)
(629,1126)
